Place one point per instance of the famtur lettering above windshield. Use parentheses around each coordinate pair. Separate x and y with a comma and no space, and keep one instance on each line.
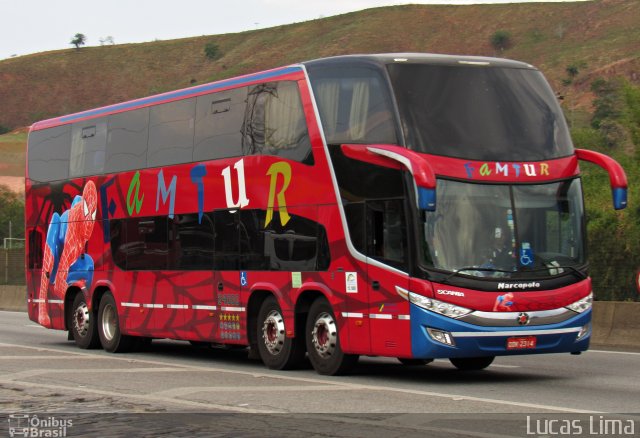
(518,170)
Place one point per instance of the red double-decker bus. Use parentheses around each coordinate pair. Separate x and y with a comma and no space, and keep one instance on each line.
(404,205)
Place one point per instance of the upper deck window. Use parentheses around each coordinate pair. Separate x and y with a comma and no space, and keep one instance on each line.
(275,124)
(49,154)
(479,113)
(354,105)
(88,140)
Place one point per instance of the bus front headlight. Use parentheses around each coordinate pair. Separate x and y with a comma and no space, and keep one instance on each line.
(582,304)
(445,309)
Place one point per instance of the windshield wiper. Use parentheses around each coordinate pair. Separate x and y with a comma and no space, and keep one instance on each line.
(474,268)
(457,272)
(581,275)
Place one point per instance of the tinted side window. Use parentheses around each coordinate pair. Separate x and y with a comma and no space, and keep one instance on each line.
(127,137)
(252,240)
(373,199)
(356,221)
(227,240)
(88,141)
(358,180)
(117,233)
(299,245)
(386,232)
(193,242)
(221,240)
(49,154)
(275,123)
(140,243)
(35,249)
(171,129)
(219,118)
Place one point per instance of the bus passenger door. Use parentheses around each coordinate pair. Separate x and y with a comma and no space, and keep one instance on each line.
(351,280)
(387,251)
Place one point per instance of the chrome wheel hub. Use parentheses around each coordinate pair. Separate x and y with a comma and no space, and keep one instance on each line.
(81,319)
(324,335)
(109,322)
(273,333)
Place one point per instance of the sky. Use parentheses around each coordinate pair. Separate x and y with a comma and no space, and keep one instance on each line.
(31,26)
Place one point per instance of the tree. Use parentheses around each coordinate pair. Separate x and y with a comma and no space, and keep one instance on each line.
(212,51)
(501,40)
(106,40)
(11,210)
(78,40)
(572,70)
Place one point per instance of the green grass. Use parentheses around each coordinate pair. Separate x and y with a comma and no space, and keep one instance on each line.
(12,154)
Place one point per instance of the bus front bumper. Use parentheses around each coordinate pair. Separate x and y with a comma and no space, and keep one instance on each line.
(436,336)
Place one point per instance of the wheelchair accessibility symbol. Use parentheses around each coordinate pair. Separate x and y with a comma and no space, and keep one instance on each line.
(243,278)
(526,256)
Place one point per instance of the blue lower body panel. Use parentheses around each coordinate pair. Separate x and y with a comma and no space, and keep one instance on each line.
(475,341)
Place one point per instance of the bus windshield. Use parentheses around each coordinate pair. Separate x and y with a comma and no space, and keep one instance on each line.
(501,231)
(479,112)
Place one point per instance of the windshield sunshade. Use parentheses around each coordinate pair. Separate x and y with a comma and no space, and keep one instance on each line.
(479,113)
(496,231)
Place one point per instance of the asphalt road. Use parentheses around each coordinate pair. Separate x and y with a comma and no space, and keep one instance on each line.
(174,389)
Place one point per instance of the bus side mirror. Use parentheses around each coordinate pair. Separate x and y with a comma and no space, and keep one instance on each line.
(617,177)
(398,157)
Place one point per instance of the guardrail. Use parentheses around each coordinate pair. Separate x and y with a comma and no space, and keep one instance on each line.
(615,324)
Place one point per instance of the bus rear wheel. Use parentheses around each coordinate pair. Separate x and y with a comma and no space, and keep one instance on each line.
(111,338)
(472,363)
(82,323)
(323,343)
(277,351)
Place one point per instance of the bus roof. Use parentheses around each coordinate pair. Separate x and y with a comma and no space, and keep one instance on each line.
(419,58)
(278,73)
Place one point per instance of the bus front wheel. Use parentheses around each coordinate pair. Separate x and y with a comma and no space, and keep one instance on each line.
(277,350)
(323,343)
(472,363)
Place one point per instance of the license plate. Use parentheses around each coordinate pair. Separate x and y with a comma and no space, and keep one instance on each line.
(521,343)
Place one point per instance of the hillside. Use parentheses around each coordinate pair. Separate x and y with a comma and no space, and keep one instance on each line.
(575,45)
(601,37)
(12,159)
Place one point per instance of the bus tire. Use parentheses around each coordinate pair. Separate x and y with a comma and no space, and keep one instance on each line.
(82,323)
(277,351)
(111,337)
(323,343)
(472,363)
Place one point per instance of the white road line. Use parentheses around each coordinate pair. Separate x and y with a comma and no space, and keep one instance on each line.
(630,353)
(42,357)
(355,386)
(188,390)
